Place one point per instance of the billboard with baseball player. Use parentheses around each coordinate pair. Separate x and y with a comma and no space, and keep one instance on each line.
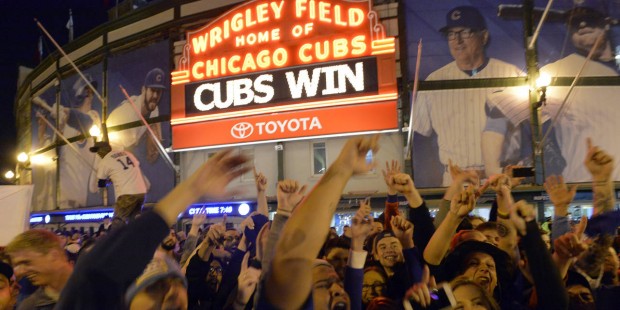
(78,111)
(144,74)
(43,159)
(484,128)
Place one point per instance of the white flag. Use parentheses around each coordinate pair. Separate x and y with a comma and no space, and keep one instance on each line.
(70,26)
(40,48)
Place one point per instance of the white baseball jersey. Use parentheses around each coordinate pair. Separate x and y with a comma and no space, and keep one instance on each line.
(124,114)
(76,169)
(591,111)
(457,115)
(123,168)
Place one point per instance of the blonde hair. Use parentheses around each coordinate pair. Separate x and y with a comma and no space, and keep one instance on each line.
(38,240)
(490,302)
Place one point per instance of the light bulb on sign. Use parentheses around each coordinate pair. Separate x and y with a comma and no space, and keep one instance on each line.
(47,219)
(244,209)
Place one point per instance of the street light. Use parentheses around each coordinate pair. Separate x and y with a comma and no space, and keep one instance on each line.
(22,157)
(94,132)
(9,175)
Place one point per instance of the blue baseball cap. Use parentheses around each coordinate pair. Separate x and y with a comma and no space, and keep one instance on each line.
(156,78)
(464,16)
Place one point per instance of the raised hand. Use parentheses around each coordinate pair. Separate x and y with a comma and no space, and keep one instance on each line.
(247,281)
(260,180)
(571,244)
(247,222)
(289,195)
(361,225)
(420,292)
(352,158)
(521,213)
(559,193)
(391,169)
(402,183)
(199,218)
(462,204)
(213,177)
(598,162)
(403,230)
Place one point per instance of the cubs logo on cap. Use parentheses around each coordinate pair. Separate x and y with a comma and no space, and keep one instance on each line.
(464,16)
(155,79)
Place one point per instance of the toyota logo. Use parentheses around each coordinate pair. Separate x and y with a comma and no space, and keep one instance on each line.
(242,130)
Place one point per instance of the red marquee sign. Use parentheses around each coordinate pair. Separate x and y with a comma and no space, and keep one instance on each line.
(268,57)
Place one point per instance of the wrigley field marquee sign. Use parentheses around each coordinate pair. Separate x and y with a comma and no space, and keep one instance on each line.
(281,70)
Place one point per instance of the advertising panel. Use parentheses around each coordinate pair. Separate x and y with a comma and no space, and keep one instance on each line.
(485,128)
(280,61)
(80,109)
(43,164)
(144,74)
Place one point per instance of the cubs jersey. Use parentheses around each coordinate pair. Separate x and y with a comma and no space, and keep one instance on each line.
(457,116)
(123,169)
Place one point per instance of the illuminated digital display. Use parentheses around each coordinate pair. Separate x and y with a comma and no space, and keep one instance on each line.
(356,76)
(88,216)
(217,210)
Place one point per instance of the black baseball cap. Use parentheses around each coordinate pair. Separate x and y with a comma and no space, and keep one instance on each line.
(99,145)
(464,16)
(453,264)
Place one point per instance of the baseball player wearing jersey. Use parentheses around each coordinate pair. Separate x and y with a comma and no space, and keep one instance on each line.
(147,102)
(457,116)
(76,171)
(590,112)
(123,169)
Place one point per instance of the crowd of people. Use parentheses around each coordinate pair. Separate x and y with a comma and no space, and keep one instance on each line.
(403,259)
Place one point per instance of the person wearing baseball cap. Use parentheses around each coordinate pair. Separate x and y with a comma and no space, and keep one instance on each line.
(162,285)
(467,36)
(152,91)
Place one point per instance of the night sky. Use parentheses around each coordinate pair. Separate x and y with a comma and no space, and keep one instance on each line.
(18,47)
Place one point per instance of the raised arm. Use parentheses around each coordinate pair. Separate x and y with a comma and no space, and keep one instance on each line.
(460,177)
(439,244)
(261,196)
(561,196)
(601,165)
(289,283)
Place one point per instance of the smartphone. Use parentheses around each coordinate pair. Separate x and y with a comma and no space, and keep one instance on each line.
(441,298)
(523,172)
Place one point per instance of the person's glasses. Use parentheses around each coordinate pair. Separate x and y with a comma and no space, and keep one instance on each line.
(375,286)
(215,270)
(462,34)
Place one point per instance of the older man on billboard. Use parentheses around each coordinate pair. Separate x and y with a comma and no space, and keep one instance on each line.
(456,116)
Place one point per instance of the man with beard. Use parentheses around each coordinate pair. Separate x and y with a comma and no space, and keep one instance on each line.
(37,255)
(170,245)
(147,102)
(204,270)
